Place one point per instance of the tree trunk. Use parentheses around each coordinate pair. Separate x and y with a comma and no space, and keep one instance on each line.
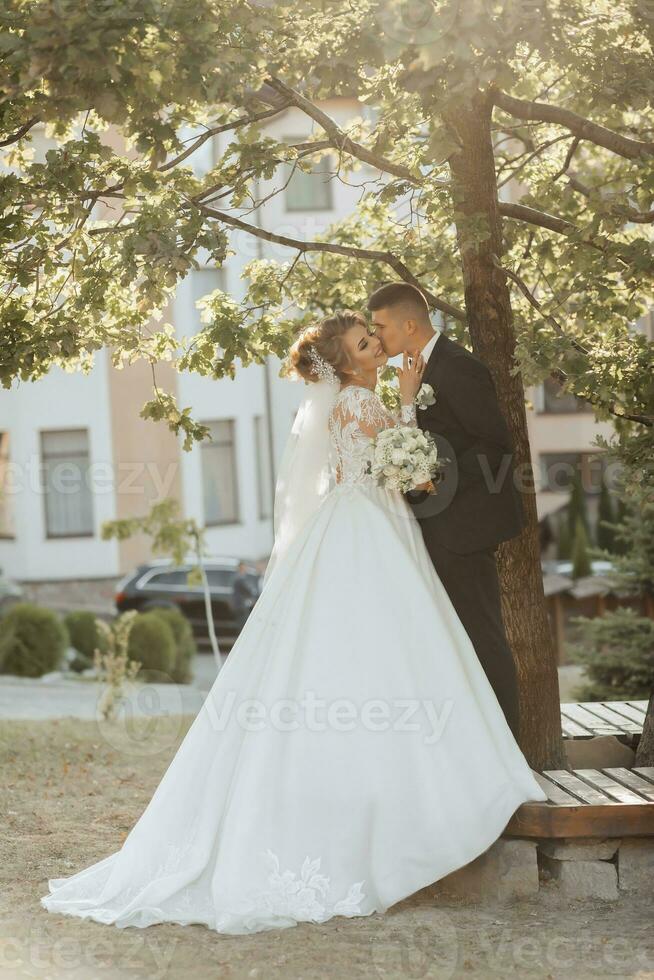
(645,750)
(490,323)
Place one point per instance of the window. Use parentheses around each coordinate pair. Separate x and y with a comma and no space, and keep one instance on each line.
(6,509)
(202,282)
(264,474)
(206,156)
(221,578)
(558,471)
(219,483)
(309,191)
(559,402)
(166,580)
(646,324)
(66,490)
(41,143)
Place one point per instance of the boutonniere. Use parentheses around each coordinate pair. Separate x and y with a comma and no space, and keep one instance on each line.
(425,396)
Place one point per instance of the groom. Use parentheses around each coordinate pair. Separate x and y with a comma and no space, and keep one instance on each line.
(477,504)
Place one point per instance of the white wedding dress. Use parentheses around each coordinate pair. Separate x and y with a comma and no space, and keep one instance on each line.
(350,752)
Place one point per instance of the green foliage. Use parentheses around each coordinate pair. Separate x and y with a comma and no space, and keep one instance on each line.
(99,232)
(577,507)
(617,649)
(84,633)
(621,545)
(388,390)
(563,540)
(33,640)
(605,517)
(581,564)
(184,643)
(152,644)
(617,652)
(170,534)
(633,551)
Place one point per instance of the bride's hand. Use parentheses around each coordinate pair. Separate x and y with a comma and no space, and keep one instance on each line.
(410,377)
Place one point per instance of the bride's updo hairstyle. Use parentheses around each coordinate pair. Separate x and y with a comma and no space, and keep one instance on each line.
(326,337)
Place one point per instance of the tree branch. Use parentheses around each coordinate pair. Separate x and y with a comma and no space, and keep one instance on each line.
(369,254)
(553,223)
(236,124)
(630,214)
(572,149)
(18,135)
(533,217)
(337,136)
(558,374)
(581,127)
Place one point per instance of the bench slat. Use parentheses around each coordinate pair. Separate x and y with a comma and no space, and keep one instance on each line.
(588,720)
(640,705)
(647,772)
(632,780)
(554,793)
(573,784)
(612,717)
(630,709)
(609,786)
(570,729)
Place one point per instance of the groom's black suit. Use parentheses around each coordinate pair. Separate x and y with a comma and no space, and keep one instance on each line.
(476,507)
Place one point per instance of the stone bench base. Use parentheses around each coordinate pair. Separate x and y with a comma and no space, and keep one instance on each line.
(512,869)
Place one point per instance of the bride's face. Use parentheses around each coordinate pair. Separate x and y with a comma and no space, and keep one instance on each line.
(364,350)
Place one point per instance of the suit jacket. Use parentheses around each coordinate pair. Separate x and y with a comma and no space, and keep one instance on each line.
(477,504)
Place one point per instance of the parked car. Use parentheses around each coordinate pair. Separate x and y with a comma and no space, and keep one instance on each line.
(161,583)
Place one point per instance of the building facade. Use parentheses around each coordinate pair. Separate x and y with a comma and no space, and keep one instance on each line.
(74,451)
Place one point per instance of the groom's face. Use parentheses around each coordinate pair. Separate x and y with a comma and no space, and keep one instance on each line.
(390,325)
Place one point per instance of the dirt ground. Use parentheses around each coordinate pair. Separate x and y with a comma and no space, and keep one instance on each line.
(72,790)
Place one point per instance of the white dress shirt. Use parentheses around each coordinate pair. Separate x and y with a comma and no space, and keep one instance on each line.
(408,412)
(429,346)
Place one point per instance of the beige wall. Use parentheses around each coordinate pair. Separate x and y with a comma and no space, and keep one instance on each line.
(146,454)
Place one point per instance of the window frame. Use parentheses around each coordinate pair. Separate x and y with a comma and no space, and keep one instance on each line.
(585,458)
(582,407)
(287,169)
(212,444)
(5,463)
(63,536)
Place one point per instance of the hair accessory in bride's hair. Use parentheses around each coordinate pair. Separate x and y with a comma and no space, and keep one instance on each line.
(324,371)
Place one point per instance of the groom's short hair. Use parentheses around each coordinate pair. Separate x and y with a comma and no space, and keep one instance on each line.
(400,294)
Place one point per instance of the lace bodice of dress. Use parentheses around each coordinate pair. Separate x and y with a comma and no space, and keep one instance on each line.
(357,416)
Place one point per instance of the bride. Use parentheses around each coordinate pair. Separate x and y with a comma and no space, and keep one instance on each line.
(352,750)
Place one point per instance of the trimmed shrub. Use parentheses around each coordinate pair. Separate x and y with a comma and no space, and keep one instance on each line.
(152,644)
(33,640)
(84,633)
(184,642)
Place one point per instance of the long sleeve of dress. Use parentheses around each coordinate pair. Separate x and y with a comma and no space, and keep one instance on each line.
(356,418)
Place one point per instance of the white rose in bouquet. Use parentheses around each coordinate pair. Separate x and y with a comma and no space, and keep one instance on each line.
(402,458)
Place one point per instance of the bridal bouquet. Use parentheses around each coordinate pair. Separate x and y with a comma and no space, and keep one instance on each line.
(403,457)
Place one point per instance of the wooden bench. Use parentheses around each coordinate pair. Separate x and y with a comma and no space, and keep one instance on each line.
(613,802)
(589,803)
(586,719)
